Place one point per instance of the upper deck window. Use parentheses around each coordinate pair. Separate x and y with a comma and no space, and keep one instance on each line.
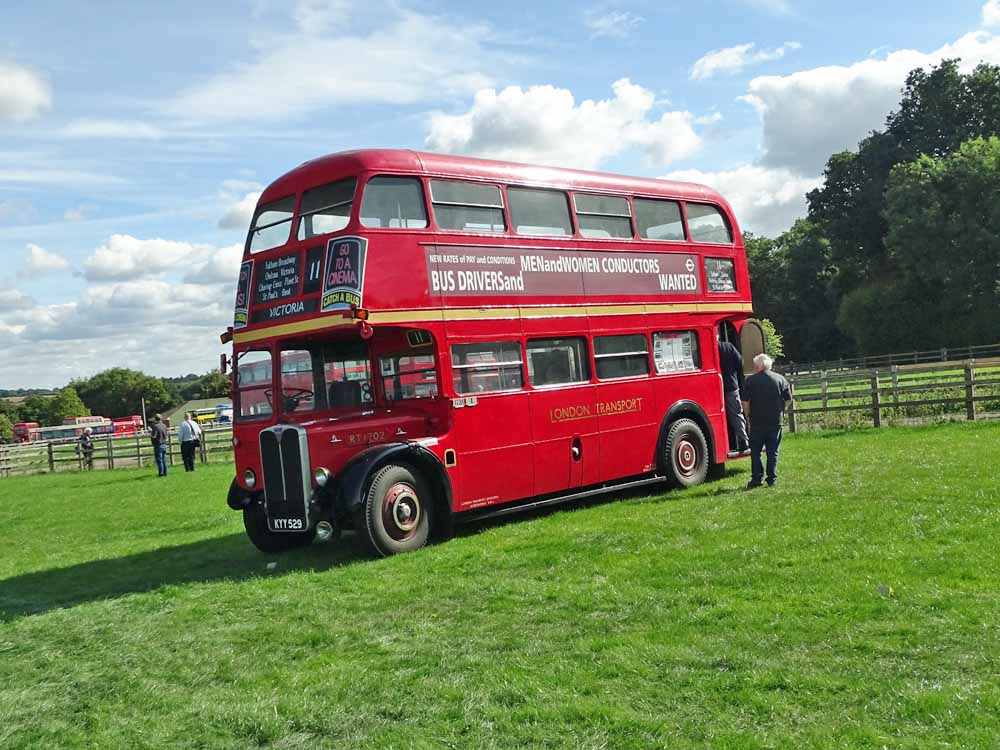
(708,224)
(394,203)
(467,206)
(659,220)
(539,212)
(603,216)
(326,208)
(271,225)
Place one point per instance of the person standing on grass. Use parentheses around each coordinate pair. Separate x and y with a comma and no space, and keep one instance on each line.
(158,436)
(85,447)
(764,395)
(190,437)
(731,366)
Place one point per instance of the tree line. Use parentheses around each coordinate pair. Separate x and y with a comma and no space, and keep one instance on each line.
(900,249)
(117,392)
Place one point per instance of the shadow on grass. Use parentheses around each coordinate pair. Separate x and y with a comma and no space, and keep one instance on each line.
(233,558)
(222,558)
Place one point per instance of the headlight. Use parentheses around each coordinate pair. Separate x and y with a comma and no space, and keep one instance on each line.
(249,478)
(322,476)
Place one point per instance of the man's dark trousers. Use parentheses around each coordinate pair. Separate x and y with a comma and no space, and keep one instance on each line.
(769,441)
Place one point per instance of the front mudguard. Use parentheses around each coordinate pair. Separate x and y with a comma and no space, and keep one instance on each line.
(352,482)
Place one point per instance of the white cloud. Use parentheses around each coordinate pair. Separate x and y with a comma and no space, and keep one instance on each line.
(813,113)
(318,16)
(221,267)
(776,7)
(78,213)
(112,129)
(125,257)
(239,212)
(41,261)
(12,299)
(991,13)
(765,201)
(730,60)
(615,24)
(24,95)
(409,58)
(544,124)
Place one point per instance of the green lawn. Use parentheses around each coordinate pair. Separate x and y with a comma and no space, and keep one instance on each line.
(856,606)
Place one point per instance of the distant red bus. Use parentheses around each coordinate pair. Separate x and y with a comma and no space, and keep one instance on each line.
(127,425)
(23,431)
(419,338)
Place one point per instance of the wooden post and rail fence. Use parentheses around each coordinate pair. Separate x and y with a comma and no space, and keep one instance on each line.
(126,451)
(893,394)
(896,394)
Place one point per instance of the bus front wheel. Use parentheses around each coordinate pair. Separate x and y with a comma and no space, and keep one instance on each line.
(395,515)
(255,523)
(685,454)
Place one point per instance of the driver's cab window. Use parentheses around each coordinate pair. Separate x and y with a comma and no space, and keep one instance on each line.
(408,376)
(325,376)
(253,384)
(298,389)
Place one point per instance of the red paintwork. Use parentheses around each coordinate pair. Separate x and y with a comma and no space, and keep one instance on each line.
(508,445)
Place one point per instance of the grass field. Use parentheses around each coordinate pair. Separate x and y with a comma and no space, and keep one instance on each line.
(857,605)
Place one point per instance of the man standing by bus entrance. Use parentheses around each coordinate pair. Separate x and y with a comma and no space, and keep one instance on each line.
(731,365)
(158,436)
(765,394)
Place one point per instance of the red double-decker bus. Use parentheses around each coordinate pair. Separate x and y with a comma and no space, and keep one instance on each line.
(419,338)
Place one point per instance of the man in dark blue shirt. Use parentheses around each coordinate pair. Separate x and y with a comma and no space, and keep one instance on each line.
(731,366)
(765,394)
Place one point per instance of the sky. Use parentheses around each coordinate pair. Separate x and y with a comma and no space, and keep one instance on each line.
(135,137)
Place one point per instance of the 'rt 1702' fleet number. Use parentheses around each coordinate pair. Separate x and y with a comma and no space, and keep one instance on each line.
(287,524)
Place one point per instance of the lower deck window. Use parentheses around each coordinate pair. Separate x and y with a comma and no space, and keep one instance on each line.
(557,361)
(676,351)
(408,376)
(621,356)
(487,367)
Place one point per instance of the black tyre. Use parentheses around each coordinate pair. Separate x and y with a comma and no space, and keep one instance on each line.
(395,514)
(685,454)
(255,523)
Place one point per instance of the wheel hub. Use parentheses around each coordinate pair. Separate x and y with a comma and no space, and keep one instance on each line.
(687,457)
(401,511)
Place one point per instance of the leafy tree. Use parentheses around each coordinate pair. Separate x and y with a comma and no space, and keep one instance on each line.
(940,109)
(772,339)
(793,286)
(65,404)
(35,409)
(120,391)
(943,217)
(6,428)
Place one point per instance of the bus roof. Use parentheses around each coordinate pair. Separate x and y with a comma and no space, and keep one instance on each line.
(345,163)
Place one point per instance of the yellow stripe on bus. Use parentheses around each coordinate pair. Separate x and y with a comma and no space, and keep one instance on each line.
(488,313)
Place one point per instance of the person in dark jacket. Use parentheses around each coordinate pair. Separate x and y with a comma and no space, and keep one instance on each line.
(765,394)
(731,365)
(85,447)
(158,436)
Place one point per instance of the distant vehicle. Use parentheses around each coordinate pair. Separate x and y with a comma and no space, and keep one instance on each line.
(24,432)
(203,416)
(127,425)
(224,413)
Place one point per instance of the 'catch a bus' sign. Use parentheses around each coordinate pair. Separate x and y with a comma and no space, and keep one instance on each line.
(344,279)
(243,295)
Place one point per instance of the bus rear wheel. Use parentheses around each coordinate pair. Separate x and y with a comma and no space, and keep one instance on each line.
(685,454)
(395,515)
(255,523)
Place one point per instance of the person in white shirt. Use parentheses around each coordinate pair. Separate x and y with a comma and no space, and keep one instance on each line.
(190,438)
